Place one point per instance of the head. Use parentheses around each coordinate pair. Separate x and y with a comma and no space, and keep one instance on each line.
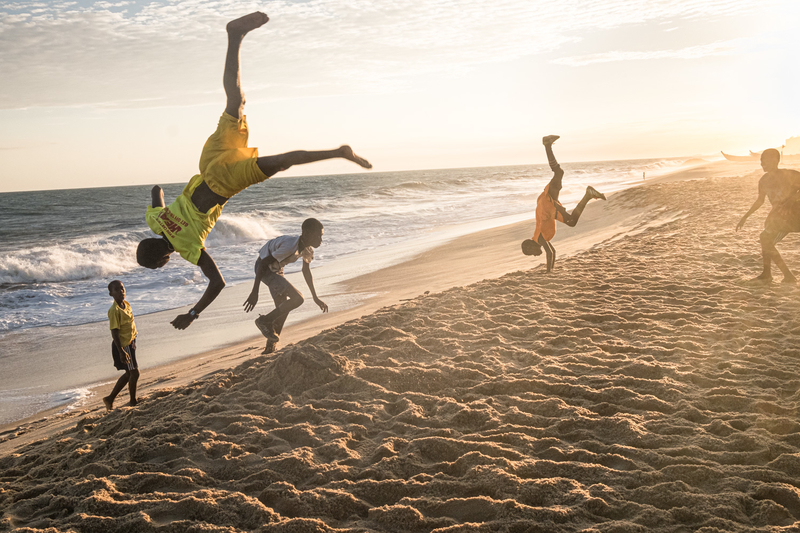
(312,232)
(117,291)
(153,253)
(531,247)
(770,159)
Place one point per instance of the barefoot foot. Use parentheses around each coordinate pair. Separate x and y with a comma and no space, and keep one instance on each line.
(763,279)
(550,139)
(348,154)
(109,403)
(133,403)
(242,25)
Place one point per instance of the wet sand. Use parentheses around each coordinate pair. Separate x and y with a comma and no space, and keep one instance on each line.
(642,386)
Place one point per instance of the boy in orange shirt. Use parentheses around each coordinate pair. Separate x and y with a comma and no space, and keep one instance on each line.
(123,346)
(549,209)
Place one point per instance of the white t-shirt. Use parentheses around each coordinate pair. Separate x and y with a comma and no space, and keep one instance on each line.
(284,250)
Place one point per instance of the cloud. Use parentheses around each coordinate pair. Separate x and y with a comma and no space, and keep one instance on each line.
(689,52)
(133,54)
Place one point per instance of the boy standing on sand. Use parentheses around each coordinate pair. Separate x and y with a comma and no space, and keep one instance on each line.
(227,166)
(782,187)
(272,257)
(549,209)
(123,346)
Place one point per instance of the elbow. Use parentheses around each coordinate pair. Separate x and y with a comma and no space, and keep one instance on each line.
(217,284)
(156,189)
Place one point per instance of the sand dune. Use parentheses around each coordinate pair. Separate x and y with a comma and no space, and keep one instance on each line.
(643,386)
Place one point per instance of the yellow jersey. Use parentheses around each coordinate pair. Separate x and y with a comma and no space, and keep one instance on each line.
(184,226)
(122,319)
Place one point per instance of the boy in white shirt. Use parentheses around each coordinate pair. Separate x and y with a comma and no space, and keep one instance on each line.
(272,257)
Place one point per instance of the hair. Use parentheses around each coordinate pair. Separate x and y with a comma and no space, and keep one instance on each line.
(311,225)
(151,251)
(531,247)
(113,283)
(771,153)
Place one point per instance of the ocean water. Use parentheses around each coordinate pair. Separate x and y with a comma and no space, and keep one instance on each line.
(59,249)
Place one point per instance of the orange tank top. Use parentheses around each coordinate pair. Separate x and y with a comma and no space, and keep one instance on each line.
(546,216)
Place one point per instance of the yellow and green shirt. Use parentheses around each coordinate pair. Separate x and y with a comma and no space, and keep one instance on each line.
(121,318)
(184,226)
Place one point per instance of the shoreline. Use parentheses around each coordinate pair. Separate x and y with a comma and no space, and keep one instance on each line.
(449,265)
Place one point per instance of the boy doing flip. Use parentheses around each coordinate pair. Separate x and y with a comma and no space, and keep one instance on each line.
(227,166)
(549,209)
(272,257)
(123,345)
(782,187)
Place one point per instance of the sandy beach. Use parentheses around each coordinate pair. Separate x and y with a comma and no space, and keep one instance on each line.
(644,385)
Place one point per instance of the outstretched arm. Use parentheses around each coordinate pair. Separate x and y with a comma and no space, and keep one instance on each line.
(310,282)
(215,285)
(758,203)
(252,300)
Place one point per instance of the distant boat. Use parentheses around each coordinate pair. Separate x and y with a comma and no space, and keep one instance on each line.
(752,157)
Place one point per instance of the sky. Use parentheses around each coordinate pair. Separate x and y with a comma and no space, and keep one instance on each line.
(99,93)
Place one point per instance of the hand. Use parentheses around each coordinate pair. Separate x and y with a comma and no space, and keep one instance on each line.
(133,343)
(127,353)
(251,302)
(182,321)
(322,305)
(741,223)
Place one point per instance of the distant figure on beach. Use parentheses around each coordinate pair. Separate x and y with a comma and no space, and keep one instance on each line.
(272,257)
(549,209)
(782,187)
(123,345)
(227,166)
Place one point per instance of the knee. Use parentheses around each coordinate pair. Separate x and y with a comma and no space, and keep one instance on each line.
(134,374)
(295,299)
(767,239)
(298,299)
(268,166)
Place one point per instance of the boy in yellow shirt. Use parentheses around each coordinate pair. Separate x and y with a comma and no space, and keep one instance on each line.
(123,347)
(227,167)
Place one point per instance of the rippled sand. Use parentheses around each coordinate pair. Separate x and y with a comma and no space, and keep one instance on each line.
(643,386)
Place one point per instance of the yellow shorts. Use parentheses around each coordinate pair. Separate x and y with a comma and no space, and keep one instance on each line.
(227,165)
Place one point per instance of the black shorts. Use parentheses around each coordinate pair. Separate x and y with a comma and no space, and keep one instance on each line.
(121,360)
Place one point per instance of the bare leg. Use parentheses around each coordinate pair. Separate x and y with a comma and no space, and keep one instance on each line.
(770,254)
(271,324)
(277,317)
(788,277)
(766,256)
(134,379)
(272,164)
(108,401)
(231,79)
